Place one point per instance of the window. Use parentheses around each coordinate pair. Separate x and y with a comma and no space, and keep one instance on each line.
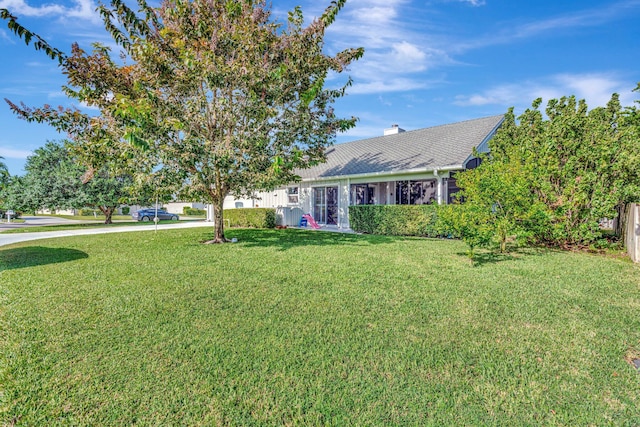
(292,195)
(452,188)
(473,163)
(363,194)
(416,192)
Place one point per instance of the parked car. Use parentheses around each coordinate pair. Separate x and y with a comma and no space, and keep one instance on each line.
(148,215)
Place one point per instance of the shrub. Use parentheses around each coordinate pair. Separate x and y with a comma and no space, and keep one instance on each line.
(89,212)
(251,217)
(193,211)
(396,220)
(126,210)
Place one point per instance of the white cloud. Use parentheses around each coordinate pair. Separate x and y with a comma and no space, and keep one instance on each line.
(11,153)
(601,15)
(387,85)
(396,52)
(474,2)
(595,88)
(56,94)
(82,9)
(401,45)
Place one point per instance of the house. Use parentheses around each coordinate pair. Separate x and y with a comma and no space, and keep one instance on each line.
(177,207)
(399,167)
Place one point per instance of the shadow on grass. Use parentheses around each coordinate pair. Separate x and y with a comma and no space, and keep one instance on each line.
(515,254)
(84,225)
(31,256)
(293,238)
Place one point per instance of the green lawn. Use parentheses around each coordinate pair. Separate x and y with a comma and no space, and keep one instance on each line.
(291,327)
(84,225)
(98,217)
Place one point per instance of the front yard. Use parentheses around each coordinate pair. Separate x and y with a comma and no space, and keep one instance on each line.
(290,327)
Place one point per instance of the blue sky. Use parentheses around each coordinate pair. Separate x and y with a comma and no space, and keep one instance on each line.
(427,62)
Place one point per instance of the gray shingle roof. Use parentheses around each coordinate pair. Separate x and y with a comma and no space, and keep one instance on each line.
(427,149)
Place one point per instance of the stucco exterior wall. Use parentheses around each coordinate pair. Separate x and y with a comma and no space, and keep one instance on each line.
(178,207)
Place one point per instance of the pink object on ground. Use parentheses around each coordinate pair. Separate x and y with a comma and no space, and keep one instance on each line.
(312,222)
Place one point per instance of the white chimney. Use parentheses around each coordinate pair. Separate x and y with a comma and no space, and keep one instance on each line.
(393,130)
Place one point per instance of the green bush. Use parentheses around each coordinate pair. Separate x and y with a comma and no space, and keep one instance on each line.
(193,211)
(126,210)
(89,212)
(251,217)
(396,220)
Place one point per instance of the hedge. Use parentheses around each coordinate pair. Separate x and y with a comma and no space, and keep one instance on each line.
(90,212)
(396,220)
(193,211)
(251,217)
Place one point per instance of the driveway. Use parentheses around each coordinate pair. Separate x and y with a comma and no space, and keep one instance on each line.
(36,220)
(8,239)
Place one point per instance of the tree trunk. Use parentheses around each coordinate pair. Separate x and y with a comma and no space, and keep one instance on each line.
(620,224)
(108,213)
(218,203)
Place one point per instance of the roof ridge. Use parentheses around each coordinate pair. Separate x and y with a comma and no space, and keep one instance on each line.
(424,149)
(418,130)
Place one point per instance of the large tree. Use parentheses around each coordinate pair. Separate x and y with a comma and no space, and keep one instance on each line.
(218,93)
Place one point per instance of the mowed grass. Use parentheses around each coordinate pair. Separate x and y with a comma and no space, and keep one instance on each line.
(82,226)
(291,327)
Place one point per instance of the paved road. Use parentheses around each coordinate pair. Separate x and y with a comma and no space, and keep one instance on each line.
(36,221)
(7,239)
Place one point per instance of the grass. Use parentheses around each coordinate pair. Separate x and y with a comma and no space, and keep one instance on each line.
(99,217)
(290,327)
(13,221)
(80,226)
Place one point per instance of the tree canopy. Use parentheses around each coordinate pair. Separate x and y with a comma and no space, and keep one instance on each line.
(4,172)
(554,178)
(215,93)
(55,180)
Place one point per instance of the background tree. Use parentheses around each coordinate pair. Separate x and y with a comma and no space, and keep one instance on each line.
(4,183)
(14,195)
(4,174)
(55,180)
(52,179)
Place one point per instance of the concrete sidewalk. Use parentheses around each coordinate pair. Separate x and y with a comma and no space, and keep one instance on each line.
(8,239)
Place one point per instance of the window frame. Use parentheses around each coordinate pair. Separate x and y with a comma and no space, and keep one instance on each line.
(293,197)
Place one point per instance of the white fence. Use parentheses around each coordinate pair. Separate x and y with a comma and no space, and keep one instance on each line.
(632,240)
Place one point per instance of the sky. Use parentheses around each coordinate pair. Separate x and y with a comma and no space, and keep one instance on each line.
(426,62)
